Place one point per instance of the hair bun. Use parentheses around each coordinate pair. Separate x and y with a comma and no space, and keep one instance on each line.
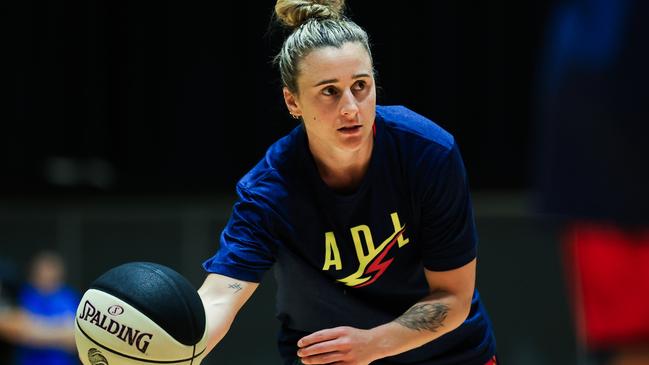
(294,13)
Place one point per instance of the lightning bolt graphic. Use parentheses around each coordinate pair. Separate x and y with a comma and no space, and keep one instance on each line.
(361,278)
(379,266)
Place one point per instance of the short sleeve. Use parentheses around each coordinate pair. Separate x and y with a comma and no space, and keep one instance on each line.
(247,246)
(449,234)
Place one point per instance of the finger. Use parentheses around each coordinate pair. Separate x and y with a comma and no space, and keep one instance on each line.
(321,348)
(320,336)
(327,358)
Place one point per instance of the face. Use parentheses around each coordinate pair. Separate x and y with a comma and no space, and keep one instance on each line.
(47,274)
(336,98)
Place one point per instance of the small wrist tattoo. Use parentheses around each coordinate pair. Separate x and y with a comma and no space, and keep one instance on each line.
(235,286)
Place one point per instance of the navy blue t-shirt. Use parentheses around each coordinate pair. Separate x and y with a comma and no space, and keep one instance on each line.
(357,259)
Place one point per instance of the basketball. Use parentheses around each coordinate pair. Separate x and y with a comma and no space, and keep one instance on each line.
(140,313)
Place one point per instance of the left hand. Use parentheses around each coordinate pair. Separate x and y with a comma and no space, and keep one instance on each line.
(340,346)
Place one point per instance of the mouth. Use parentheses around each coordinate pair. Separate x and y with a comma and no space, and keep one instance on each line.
(350,129)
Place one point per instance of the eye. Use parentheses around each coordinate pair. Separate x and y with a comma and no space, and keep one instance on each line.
(359,85)
(329,91)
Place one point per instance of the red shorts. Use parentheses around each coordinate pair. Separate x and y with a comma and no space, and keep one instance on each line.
(492,361)
(608,277)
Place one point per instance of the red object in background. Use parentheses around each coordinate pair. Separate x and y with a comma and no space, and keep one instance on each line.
(608,272)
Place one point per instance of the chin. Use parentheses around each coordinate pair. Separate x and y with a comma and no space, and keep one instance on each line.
(352,144)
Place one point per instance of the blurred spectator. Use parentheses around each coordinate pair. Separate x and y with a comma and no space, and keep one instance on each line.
(8,277)
(592,169)
(49,304)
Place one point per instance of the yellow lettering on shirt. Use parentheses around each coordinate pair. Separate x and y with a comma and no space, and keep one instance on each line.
(332,254)
(402,241)
(364,247)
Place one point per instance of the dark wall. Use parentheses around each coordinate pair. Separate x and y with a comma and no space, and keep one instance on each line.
(180,96)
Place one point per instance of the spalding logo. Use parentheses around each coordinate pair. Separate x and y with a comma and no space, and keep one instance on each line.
(134,337)
(115,310)
(96,358)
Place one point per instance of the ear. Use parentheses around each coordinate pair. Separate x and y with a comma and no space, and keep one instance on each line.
(291,102)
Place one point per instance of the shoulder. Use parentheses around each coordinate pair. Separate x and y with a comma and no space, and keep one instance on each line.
(404,123)
(426,153)
(273,172)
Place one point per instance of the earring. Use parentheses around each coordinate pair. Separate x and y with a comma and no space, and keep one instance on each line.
(295,116)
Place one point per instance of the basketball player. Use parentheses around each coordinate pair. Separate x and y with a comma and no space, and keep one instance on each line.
(592,169)
(363,210)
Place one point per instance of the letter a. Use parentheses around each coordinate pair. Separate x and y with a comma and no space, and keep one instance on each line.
(332,255)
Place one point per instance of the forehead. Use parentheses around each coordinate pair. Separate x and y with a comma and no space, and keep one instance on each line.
(335,63)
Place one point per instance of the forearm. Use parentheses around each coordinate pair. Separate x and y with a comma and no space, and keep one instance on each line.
(11,324)
(428,319)
(46,336)
(16,326)
(222,299)
(218,322)
(443,310)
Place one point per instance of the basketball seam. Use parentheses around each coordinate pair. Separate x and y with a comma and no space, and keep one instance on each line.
(188,311)
(191,359)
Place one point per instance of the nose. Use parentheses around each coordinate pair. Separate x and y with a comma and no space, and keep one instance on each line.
(348,104)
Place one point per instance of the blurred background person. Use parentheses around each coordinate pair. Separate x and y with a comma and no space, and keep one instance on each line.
(593,169)
(48,304)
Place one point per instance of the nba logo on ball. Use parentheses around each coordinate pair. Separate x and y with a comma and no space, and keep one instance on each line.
(140,313)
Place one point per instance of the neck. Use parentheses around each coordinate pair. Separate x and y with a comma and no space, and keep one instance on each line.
(343,171)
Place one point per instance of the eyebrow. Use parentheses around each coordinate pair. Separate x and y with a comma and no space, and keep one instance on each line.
(331,81)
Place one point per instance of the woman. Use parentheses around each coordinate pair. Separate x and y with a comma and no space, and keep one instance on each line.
(363,210)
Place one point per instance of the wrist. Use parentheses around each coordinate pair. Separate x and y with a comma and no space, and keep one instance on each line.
(384,340)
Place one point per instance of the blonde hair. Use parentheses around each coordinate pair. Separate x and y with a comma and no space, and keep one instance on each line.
(315,24)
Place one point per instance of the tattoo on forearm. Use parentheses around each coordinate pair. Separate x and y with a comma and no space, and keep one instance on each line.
(236,286)
(424,316)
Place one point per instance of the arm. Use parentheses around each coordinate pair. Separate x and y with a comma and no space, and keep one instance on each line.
(16,326)
(443,310)
(222,298)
